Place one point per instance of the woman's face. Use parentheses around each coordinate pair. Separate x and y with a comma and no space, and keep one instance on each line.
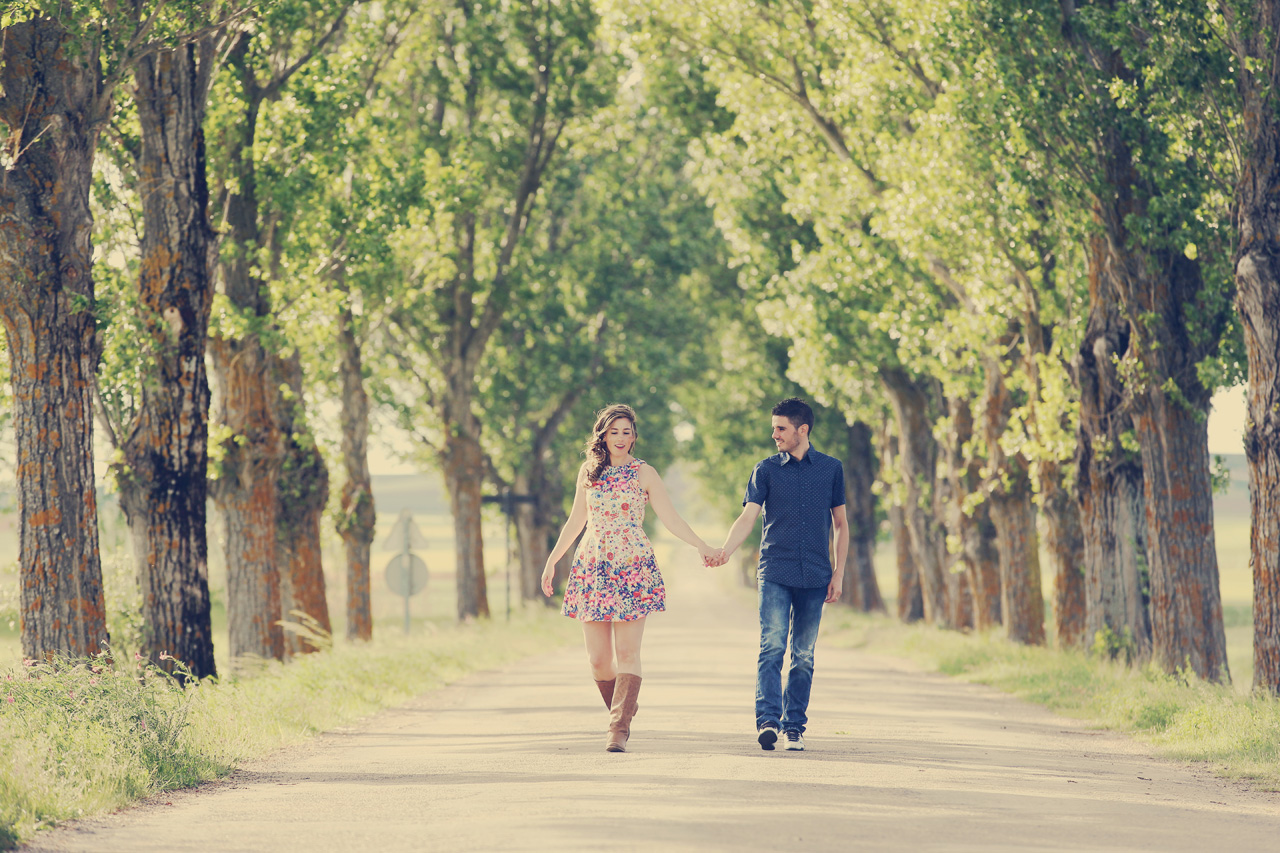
(620,437)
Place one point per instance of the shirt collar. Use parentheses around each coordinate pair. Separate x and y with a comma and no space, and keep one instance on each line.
(784,458)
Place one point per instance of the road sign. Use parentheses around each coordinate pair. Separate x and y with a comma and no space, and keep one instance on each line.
(407,574)
(404,535)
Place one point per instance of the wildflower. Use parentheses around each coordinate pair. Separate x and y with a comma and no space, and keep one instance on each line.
(29,661)
(144,725)
(93,681)
(9,696)
(166,656)
(137,655)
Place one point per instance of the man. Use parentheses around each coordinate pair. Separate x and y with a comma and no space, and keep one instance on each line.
(801,493)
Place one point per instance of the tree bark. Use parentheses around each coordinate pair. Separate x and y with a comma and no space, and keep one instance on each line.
(1186,604)
(302,490)
(1257,270)
(1109,482)
(1022,601)
(359,517)
(532,538)
(246,493)
(918,461)
(1064,542)
(910,599)
(536,526)
(861,589)
(960,599)
(1014,517)
(49,101)
(974,529)
(163,478)
(463,464)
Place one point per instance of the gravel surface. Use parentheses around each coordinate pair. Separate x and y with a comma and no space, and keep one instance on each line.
(896,759)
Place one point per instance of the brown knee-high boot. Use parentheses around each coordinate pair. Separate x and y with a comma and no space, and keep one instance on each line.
(606,690)
(624,708)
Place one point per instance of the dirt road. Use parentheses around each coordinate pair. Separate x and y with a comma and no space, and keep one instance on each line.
(513,760)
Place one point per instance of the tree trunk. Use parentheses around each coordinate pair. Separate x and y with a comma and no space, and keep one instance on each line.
(49,103)
(960,599)
(359,518)
(531,539)
(1109,483)
(246,493)
(1257,268)
(463,464)
(1014,517)
(1022,602)
(910,600)
(918,460)
(1186,603)
(973,528)
(536,526)
(861,589)
(1064,542)
(1169,416)
(253,450)
(302,491)
(163,478)
(910,596)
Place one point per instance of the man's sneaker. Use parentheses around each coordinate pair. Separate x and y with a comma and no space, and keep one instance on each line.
(768,736)
(795,740)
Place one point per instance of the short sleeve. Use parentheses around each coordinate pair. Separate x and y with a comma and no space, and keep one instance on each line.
(758,486)
(837,487)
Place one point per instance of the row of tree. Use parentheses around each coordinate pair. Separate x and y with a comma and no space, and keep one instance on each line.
(1011,248)
(459,216)
(1019,228)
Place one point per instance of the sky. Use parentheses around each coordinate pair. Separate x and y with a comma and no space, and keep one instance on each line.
(1226,422)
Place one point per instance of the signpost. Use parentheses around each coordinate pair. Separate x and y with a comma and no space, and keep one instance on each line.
(507,501)
(406,573)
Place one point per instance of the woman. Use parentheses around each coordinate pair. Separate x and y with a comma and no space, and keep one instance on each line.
(615,581)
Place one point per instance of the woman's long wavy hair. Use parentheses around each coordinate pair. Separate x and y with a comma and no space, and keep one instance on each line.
(597,451)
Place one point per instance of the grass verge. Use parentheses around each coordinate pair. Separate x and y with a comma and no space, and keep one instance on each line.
(87,737)
(1184,718)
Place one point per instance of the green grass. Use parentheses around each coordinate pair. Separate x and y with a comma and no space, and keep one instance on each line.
(1238,734)
(76,742)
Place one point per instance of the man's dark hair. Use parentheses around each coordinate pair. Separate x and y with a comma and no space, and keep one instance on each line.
(795,410)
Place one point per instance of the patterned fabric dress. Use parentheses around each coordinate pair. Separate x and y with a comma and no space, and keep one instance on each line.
(615,577)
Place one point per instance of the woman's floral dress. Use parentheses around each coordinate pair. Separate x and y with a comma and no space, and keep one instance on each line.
(615,577)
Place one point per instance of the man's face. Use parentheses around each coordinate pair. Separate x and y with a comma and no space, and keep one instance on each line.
(785,436)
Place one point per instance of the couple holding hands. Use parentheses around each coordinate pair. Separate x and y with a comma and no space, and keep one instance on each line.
(615,582)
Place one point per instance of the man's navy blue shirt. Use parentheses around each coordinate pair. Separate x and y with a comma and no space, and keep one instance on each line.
(797,496)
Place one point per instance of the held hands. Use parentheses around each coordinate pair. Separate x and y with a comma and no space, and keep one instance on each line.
(713,556)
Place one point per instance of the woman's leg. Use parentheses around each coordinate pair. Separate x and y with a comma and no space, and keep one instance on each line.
(599,638)
(626,643)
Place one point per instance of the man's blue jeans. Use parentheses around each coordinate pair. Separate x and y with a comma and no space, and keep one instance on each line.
(783,610)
